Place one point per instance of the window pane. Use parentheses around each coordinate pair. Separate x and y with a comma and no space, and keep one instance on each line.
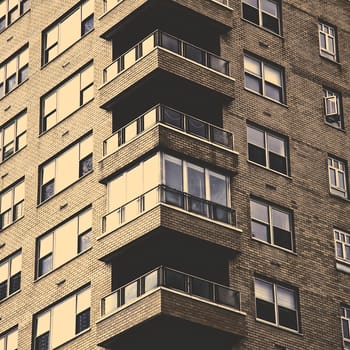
(287,318)
(68,97)
(252,65)
(16,264)
(85,220)
(264,290)
(260,231)
(70,30)
(4,271)
(46,245)
(253,83)
(265,310)
(151,170)
(272,75)
(86,147)
(173,172)
(286,298)
(195,179)
(12,340)
(11,67)
(67,168)
(50,104)
(151,281)
(43,323)
(6,201)
(87,77)
(23,58)
(19,192)
(259,211)
(134,182)
(276,145)
(52,36)
(87,8)
(218,188)
(273,92)
(280,219)
(9,133)
(270,7)
(83,300)
(116,192)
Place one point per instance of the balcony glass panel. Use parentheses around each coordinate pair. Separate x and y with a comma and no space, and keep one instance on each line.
(217,64)
(174,279)
(194,53)
(130,292)
(220,136)
(151,280)
(197,127)
(226,296)
(110,303)
(150,119)
(129,58)
(170,43)
(201,288)
(172,117)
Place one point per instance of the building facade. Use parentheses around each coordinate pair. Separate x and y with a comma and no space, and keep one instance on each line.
(174,174)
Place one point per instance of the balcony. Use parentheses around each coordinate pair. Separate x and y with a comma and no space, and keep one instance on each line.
(170,117)
(166,195)
(171,279)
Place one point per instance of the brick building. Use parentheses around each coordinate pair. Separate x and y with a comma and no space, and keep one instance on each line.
(174,174)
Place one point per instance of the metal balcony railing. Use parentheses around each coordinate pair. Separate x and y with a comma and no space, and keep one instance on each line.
(172,279)
(164,194)
(171,43)
(109,4)
(168,116)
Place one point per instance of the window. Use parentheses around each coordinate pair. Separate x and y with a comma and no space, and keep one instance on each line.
(64,242)
(10,275)
(332,108)
(66,168)
(67,97)
(9,339)
(73,312)
(263,78)
(13,135)
(276,304)
(342,246)
(345,322)
(69,29)
(10,10)
(327,36)
(267,149)
(337,177)
(271,224)
(12,204)
(264,13)
(14,71)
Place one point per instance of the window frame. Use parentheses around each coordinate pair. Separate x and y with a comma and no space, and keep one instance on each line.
(345,319)
(53,251)
(57,24)
(53,160)
(5,335)
(9,261)
(263,83)
(335,119)
(19,8)
(336,189)
(342,243)
(266,134)
(324,30)
(275,287)
(260,13)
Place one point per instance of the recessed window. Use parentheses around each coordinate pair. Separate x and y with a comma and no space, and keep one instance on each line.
(10,10)
(63,243)
(267,149)
(263,78)
(9,339)
(13,136)
(337,174)
(12,204)
(264,13)
(342,246)
(67,97)
(276,304)
(72,312)
(271,224)
(328,41)
(54,176)
(14,71)
(332,108)
(345,322)
(10,275)
(69,29)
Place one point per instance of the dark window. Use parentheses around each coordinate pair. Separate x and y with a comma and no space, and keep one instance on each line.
(48,190)
(42,342)
(82,321)
(23,74)
(87,25)
(85,165)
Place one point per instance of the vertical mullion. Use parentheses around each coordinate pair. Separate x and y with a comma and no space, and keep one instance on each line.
(272,240)
(276,305)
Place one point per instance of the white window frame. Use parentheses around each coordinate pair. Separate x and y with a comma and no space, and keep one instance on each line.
(345,320)
(13,332)
(333,115)
(339,170)
(329,33)
(18,8)
(14,266)
(342,240)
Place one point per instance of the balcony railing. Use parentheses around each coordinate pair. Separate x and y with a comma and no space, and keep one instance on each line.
(172,279)
(164,194)
(168,116)
(109,4)
(169,42)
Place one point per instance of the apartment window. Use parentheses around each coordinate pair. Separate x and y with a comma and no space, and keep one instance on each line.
(342,246)
(263,78)
(10,10)
(13,135)
(276,304)
(345,322)
(271,224)
(328,45)
(264,13)
(337,177)
(66,168)
(67,97)
(268,149)
(10,275)
(9,339)
(332,108)
(69,29)
(64,243)
(12,204)
(73,312)
(14,71)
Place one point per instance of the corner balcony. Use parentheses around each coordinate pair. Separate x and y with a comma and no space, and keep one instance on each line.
(167,293)
(167,128)
(215,14)
(167,56)
(165,195)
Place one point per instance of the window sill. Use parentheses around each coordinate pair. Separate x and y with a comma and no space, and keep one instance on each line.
(347,200)
(64,189)
(265,97)
(75,337)
(268,169)
(15,88)
(279,327)
(336,63)
(342,266)
(12,155)
(16,20)
(12,223)
(334,127)
(274,246)
(263,28)
(10,296)
(60,54)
